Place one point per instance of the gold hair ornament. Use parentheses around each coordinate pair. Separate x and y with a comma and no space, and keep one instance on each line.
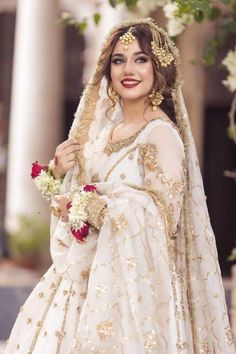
(127,38)
(156,98)
(160,49)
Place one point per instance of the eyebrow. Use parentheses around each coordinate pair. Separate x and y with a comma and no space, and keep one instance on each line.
(121,55)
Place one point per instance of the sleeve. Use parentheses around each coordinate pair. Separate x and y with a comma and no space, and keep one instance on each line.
(96,210)
(163,161)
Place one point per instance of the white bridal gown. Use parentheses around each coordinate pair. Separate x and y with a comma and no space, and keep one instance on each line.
(124,290)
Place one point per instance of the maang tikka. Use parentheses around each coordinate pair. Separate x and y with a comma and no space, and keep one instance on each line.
(127,38)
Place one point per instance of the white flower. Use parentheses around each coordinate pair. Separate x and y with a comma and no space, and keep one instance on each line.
(230,82)
(175,24)
(145,7)
(77,213)
(47,184)
(230,63)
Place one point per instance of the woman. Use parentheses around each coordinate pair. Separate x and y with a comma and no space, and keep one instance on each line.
(145,279)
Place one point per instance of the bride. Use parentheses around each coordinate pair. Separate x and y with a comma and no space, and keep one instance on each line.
(135,267)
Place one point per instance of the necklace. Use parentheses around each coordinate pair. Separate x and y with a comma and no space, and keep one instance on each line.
(115,146)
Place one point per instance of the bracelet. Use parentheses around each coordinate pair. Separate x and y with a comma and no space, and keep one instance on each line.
(86,208)
(45,181)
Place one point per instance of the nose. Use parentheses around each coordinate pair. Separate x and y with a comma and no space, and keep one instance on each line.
(128,68)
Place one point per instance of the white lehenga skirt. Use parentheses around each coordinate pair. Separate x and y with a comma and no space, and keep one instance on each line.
(48,320)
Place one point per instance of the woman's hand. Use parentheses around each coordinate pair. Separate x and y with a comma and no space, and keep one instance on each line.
(65,157)
(60,202)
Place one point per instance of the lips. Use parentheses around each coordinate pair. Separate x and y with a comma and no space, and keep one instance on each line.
(130,83)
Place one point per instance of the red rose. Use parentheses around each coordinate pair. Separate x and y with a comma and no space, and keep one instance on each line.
(36,169)
(68,205)
(89,188)
(81,233)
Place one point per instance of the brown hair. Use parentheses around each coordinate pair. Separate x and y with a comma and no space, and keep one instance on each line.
(164,77)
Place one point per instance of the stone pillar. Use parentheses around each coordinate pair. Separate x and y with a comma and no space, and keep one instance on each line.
(191,43)
(36,104)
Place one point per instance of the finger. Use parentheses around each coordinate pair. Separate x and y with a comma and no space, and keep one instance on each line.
(70,157)
(71,149)
(67,143)
(70,164)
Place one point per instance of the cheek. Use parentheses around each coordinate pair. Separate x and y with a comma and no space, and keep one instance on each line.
(114,73)
(149,74)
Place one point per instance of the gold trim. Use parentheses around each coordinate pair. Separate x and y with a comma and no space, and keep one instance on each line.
(118,161)
(40,323)
(115,146)
(62,333)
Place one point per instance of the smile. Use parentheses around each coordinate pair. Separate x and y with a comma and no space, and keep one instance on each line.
(129,83)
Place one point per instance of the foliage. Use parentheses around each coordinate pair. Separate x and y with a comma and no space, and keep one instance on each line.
(31,236)
(232,256)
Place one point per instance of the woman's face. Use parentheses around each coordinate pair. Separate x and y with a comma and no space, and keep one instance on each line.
(131,71)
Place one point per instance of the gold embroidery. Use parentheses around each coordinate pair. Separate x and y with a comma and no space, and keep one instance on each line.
(118,161)
(96,210)
(122,175)
(131,262)
(83,294)
(228,335)
(204,347)
(105,329)
(167,211)
(61,243)
(119,223)
(41,295)
(148,153)
(181,345)
(61,334)
(29,320)
(100,289)
(85,273)
(150,341)
(50,300)
(96,178)
(115,146)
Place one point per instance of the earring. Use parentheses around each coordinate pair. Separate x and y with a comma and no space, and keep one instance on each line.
(156,98)
(113,96)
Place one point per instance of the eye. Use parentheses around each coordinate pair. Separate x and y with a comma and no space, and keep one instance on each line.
(117,61)
(141,59)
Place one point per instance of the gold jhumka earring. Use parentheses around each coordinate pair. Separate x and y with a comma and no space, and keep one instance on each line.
(113,96)
(156,98)
(127,38)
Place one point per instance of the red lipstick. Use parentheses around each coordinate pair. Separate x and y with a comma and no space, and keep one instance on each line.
(129,83)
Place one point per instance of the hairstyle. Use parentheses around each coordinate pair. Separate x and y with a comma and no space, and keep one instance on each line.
(164,77)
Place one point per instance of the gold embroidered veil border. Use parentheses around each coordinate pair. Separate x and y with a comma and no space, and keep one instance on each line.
(196,255)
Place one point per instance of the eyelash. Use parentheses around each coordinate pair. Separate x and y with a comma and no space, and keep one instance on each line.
(119,60)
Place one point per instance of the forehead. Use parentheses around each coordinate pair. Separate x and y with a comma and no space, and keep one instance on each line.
(133,47)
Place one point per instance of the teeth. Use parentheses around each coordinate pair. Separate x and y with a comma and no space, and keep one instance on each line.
(130,82)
